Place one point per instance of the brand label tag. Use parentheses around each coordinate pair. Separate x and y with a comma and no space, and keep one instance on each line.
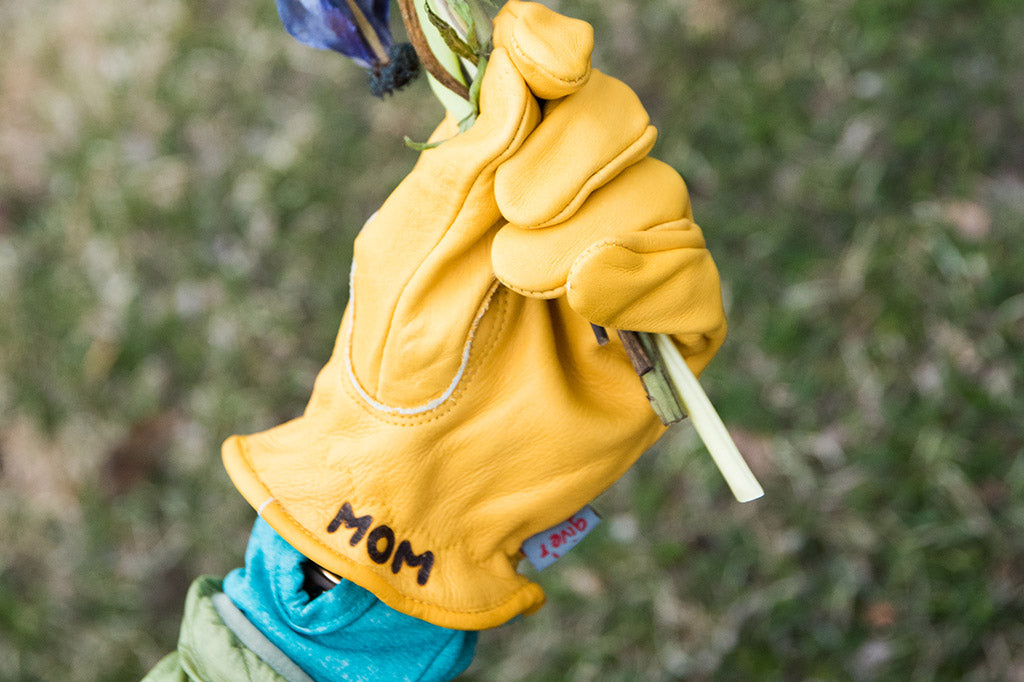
(547,547)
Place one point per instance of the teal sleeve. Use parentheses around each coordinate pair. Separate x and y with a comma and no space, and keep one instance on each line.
(345,633)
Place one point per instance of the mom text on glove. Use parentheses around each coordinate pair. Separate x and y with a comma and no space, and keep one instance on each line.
(402,555)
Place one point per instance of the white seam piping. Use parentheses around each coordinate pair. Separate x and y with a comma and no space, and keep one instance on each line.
(436,402)
(259,511)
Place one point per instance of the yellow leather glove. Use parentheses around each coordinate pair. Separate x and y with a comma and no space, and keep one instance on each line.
(467,405)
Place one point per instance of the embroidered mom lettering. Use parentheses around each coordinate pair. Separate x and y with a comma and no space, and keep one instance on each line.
(381,543)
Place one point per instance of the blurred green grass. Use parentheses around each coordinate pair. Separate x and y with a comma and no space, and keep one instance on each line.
(180,184)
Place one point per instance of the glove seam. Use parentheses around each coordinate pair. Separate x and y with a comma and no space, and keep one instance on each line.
(522,54)
(596,180)
(554,292)
(615,242)
(493,301)
(487,171)
(677,224)
(450,389)
(598,246)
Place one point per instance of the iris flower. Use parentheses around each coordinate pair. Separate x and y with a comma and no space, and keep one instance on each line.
(357,29)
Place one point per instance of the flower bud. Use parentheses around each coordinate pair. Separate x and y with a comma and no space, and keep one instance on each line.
(357,29)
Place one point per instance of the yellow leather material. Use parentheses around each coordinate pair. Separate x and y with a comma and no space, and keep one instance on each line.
(534,189)
(657,281)
(536,262)
(630,258)
(458,416)
(550,50)
(422,263)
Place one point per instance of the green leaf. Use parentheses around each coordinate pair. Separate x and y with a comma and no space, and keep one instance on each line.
(464,11)
(421,146)
(481,27)
(461,8)
(451,36)
(474,87)
(467,123)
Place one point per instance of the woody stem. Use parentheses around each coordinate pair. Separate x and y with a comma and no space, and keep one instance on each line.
(419,42)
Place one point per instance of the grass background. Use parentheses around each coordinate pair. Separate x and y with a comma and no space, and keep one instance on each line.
(180,184)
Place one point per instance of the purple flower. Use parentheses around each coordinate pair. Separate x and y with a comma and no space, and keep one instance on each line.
(357,29)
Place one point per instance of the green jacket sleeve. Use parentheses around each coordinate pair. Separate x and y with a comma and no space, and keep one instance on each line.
(167,670)
(209,651)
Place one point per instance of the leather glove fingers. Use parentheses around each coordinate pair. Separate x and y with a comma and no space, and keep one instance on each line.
(656,281)
(551,51)
(583,141)
(630,258)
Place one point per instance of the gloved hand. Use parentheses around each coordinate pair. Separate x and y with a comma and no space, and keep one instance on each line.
(467,405)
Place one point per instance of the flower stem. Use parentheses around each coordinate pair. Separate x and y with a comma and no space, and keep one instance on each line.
(414,29)
(708,424)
